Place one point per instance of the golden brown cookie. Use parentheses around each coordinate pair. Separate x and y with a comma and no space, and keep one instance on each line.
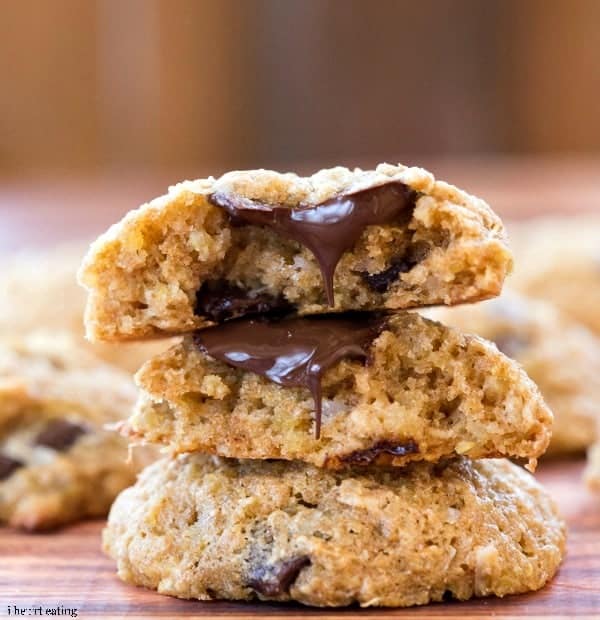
(259,241)
(558,259)
(58,464)
(418,391)
(193,527)
(592,471)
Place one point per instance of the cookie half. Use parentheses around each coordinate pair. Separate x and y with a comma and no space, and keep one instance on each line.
(416,390)
(57,462)
(193,527)
(259,241)
(561,356)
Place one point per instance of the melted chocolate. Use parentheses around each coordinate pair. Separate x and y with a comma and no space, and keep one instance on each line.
(368,456)
(59,435)
(220,301)
(8,465)
(292,352)
(277,580)
(327,229)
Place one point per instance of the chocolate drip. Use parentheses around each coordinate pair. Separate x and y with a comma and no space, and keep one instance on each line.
(8,465)
(327,229)
(292,352)
(59,435)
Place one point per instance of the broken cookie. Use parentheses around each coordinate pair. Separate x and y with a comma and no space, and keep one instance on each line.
(335,390)
(257,242)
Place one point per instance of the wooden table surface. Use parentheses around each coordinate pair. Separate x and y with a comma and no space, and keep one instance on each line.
(67,569)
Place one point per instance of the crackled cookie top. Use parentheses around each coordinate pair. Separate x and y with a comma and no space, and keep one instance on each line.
(561,356)
(398,390)
(259,241)
(193,527)
(57,462)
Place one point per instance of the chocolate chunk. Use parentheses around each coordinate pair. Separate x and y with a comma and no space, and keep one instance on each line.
(220,301)
(380,282)
(368,456)
(59,435)
(8,465)
(277,580)
(330,228)
(292,352)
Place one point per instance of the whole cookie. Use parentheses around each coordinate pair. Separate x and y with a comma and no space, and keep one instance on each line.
(560,355)
(57,462)
(558,259)
(412,389)
(39,290)
(592,471)
(259,241)
(193,527)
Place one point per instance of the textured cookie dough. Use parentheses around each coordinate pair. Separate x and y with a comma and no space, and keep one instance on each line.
(39,290)
(144,273)
(558,259)
(426,392)
(560,355)
(193,527)
(57,463)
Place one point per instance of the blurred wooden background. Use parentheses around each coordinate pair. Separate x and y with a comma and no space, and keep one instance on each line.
(88,85)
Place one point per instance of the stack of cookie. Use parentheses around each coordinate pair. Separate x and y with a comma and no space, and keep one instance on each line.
(323,440)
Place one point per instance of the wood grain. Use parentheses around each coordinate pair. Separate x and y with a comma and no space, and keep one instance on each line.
(68,569)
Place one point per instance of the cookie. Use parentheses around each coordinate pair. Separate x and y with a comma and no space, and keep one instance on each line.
(592,471)
(40,290)
(193,527)
(558,259)
(57,462)
(390,390)
(259,241)
(560,355)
